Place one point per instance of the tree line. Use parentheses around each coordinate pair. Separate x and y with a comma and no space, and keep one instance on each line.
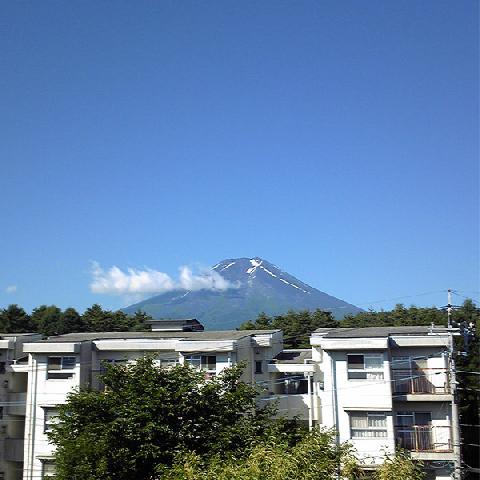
(298,326)
(51,320)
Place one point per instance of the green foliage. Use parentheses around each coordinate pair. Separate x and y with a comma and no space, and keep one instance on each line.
(400,467)
(147,415)
(469,394)
(15,319)
(50,320)
(297,326)
(399,316)
(315,457)
(72,321)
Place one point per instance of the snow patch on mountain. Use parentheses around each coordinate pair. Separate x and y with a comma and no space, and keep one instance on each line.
(227,266)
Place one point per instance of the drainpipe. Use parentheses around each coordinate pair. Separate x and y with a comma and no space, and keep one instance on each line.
(33,415)
(316,415)
(28,413)
(315,392)
(310,406)
(335,406)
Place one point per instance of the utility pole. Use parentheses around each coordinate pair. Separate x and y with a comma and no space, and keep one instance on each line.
(456,438)
(449,308)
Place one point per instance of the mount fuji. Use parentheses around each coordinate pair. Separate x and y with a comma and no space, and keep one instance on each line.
(257,286)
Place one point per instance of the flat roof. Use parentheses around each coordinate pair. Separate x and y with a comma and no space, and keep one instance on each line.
(293,356)
(369,332)
(213,335)
(18,334)
(173,320)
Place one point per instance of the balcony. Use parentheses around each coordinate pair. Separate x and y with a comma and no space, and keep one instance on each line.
(424,438)
(429,382)
(17,403)
(14,449)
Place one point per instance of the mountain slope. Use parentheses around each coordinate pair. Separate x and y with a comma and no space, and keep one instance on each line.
(259,286)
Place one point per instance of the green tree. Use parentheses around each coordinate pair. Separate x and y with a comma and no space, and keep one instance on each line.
(400,467)
(315,457)
(48,320)
(148,414)
(71,321)
(15,319)
(138,321)
(468,364)
(296,326)
(399,316)
(96,319)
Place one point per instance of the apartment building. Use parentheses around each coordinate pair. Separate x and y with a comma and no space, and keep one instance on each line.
(381,388)
(390,387)
(13,388)
(59,364)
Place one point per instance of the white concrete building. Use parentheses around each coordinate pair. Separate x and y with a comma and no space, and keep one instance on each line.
(13,388)
(390,387)
(59,364)
(381,388)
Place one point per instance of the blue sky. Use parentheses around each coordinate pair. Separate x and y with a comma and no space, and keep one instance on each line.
(337,139)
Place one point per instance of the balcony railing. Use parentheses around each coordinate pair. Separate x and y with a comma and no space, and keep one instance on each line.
(424,438)
(430,381)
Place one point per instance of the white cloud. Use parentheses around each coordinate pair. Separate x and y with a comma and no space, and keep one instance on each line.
(11,289)
(115,281)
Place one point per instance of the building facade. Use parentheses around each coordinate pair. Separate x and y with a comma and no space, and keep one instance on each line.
(13,395)
(59,364)
(380,388)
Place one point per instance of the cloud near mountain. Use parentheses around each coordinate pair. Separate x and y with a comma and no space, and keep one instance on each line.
(132,281)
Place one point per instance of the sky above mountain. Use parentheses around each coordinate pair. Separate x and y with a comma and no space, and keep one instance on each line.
(338,139)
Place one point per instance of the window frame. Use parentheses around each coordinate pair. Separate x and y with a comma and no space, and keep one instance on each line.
(293,384)
(413,415)
(202,362)
(64,371)
(379,373)
(368,428)
(46,462)
(48,420)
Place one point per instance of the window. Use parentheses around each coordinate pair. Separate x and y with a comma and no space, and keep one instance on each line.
(204,362)
(368,425)
(1,414)
(50,418)
(409,363)
(167,359)
(365,366)
(293,384)
(2,371)
(109,361)
(2,475)
(48,469)
(410,419)
(414,431)
(55,365)
(258,366)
